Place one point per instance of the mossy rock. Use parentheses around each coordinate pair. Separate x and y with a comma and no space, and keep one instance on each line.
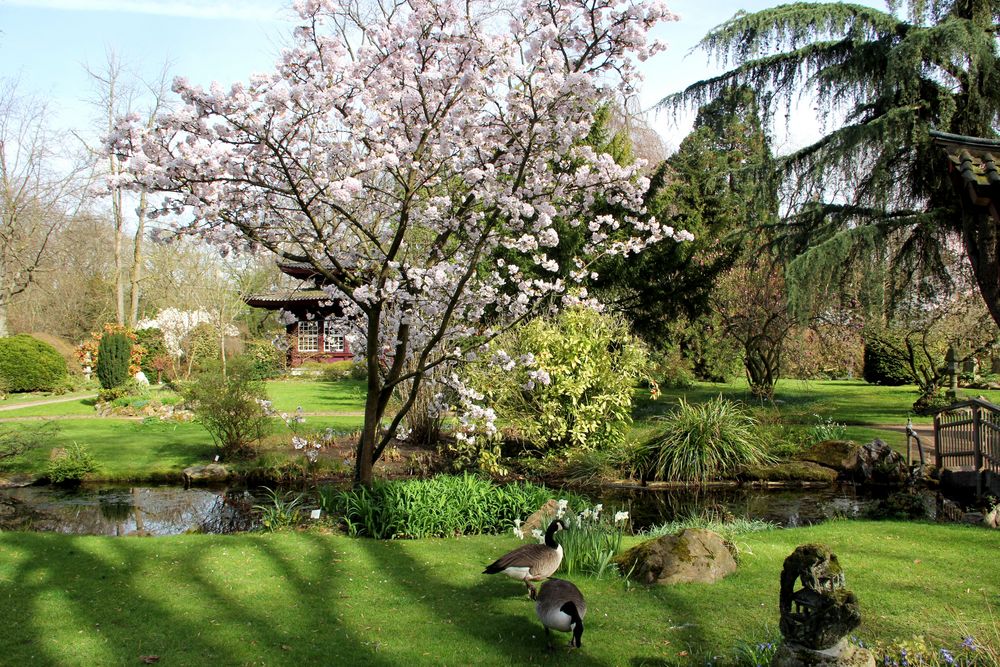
(692,555)
(788,471)
(841,455)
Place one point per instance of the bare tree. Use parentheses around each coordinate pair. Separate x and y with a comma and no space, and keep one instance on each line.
(119,93)
(36,197)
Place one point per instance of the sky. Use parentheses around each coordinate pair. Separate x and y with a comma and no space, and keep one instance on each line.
(48,44)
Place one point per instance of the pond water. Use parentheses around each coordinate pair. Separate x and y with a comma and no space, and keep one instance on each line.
(101,510)
(171,510)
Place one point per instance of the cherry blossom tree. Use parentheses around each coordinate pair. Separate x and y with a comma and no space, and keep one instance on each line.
(398,153)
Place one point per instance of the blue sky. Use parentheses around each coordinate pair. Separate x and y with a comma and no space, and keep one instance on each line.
(47,43)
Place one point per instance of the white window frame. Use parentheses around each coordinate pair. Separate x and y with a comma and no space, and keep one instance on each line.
(333,340)
(308,336)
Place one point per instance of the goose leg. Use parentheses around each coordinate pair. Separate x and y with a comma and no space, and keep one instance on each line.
(532,591)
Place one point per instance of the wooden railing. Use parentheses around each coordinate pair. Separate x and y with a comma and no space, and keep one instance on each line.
(967,437)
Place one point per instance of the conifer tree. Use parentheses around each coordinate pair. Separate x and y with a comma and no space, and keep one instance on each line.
(873,186)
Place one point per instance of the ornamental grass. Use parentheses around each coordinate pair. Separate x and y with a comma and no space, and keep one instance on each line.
(701,442)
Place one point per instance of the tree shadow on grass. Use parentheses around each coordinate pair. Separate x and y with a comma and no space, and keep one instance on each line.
(192,601)
(490,616)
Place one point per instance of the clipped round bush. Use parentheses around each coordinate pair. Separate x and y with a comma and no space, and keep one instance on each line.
(701,442)
(28,364)
(114,354)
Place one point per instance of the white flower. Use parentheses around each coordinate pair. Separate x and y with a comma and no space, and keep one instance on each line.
(561,509)
(597,510)
(621,516)
(538,535)
(518,533)
(298,443)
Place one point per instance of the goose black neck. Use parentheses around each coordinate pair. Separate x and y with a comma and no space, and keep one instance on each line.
(550,535)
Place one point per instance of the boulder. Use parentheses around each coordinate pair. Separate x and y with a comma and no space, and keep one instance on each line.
(539,520)
(692,555)
(17,480)
(213,472)
(788,471)
(843,654)
(874,463)
(878,463)
(841,455)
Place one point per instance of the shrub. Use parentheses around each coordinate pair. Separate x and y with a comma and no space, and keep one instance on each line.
(266,361)
(22,438)
(927,405)
(65,349)
(70,464)
(343,370)
(883,362)
(230,408)
(701,442)
(27,364)
(443,506)
(154,346)
(114,353)
(577,392)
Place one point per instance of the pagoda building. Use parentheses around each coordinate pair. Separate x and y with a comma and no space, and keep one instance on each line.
(315,332)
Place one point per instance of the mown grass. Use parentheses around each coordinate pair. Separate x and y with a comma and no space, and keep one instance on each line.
(851,402)
(313,599)
(317,395)
(127,449)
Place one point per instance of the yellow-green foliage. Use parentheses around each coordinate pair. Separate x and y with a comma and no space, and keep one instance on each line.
(592,364)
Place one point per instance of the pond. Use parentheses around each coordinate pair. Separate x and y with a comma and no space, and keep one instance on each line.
(171,510)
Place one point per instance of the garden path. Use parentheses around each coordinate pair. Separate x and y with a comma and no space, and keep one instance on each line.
(47,401)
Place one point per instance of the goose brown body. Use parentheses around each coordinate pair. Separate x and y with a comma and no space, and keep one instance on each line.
(531,562)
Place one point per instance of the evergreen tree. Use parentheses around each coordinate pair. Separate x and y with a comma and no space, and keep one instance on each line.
(874,186)
(716,185)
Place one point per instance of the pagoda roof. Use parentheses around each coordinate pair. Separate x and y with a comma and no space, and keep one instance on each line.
(304,269)
(972,162)
(275,300)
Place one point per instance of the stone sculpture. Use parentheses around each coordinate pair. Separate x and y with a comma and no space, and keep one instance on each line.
(816,618)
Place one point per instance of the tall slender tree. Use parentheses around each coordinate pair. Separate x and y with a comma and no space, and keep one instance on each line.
(873,184)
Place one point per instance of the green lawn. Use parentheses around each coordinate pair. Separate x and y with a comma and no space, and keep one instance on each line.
(313,599)
(31,397)
(851,402)
(317,395)
(128,449)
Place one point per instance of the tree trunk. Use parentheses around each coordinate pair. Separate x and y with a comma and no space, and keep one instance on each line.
(3,320)
(136,273)
(981,236)
(116,214)
(364,464)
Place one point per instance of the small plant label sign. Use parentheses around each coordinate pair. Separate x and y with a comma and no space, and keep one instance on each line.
(315,514)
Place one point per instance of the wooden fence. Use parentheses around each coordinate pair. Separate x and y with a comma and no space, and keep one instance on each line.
(967,438)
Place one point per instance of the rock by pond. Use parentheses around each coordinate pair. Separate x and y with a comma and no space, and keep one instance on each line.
(693,555)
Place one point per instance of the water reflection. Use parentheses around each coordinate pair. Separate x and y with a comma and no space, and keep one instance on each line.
(164,510)
(786,507)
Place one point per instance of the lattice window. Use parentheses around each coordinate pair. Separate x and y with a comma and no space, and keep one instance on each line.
(333,340)
(308,336)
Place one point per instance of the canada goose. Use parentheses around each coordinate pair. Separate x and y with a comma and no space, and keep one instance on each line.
(560,606)
(531,562)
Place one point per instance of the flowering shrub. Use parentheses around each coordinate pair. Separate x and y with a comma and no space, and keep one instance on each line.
(565,381)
